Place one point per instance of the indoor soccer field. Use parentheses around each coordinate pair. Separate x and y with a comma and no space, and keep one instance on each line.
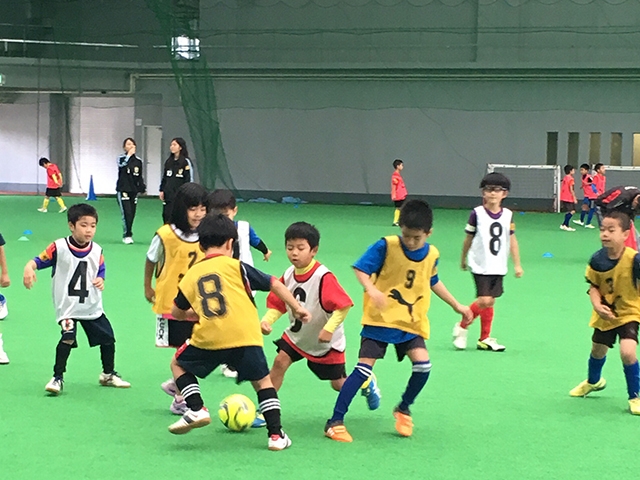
(482,414)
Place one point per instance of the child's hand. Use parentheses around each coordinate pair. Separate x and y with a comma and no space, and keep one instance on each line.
(467,314)
(29,278)
(266,328)
(150,294)
(191,315)
(604,312)
(378,298)
(324,336)
(519,271)
(463,264)
(302,314)
(4,280)
(98,283)
(267,255)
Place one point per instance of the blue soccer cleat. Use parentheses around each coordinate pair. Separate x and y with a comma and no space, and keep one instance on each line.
(371,391)
(259,421)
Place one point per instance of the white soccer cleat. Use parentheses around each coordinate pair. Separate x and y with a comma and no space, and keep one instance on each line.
(112,380)
(228,372)
(54,387)
(127,240)
(169,387)
(43,210)
(490,344)
(190,420)
(4,311)
(589,226)
(279,442)
(4,359)
(62,210)
(578,222)
(460,337)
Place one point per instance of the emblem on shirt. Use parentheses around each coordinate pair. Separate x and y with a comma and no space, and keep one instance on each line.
(169,173)
(397,296)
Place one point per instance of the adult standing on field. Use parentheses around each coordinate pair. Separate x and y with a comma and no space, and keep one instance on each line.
(177,171)
(130,184)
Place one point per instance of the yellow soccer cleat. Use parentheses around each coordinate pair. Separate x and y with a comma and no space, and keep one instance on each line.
(585,388)
(634,406)
(337,432)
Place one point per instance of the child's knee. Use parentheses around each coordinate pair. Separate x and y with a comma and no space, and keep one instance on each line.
(337,384)
(282,361)
(486,302)
(628,351)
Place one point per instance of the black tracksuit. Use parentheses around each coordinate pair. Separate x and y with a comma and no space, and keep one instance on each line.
(130,184)
(176,173)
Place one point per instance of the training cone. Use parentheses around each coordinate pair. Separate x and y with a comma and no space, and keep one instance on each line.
(92,194)
(23,239)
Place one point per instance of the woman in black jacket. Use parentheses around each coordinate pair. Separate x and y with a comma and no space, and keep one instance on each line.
(130,184)
(177,171)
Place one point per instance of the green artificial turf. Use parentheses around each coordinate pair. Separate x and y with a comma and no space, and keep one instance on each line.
(482,415)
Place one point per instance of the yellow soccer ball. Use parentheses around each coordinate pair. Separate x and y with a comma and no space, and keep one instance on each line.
(237,412)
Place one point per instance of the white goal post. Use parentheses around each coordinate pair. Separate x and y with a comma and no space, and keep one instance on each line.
(622,176)
(533,187)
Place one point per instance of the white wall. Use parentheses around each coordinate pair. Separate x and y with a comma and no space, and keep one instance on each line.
(24,138)
(99,125)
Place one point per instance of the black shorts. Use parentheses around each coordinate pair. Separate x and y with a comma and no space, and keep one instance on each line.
(249,362)
(370,348)
(53,192)
(172,333)
(608,338)
(488,285)
(567,207)
(399,203)
(98,331)
(323,371)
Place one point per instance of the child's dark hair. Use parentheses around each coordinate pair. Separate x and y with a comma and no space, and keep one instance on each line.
(215,229)
(397,162)
(585,166)
(221,200)
(43,161)
(188,195)
(496,179)
(305,231)
(597,166)
(567,169)
(128,139)
(623,219)
(76,212)
(416,215)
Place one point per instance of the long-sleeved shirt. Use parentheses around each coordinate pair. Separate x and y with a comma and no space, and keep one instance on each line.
(176,173)
(130,177)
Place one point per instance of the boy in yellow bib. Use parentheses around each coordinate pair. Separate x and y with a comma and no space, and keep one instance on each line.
(217,290)
(613,273)
(398,274)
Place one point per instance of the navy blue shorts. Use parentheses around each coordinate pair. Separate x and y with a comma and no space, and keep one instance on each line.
(99,331)
(249,362)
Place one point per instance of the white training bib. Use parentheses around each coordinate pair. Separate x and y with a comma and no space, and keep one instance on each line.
(74,295)
(489,250)
(305,336)
(244,244)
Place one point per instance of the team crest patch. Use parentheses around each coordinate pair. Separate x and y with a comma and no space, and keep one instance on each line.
(125,195)
(169,173)
(187,167)
(136,169)
(180,172)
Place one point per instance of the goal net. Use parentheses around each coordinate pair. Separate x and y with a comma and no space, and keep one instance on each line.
(622,176)
(533,187)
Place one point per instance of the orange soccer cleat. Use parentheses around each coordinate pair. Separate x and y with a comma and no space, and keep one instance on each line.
(337,432)
(404,423)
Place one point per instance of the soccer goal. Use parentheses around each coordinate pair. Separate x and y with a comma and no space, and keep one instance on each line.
(622,176)
(533,187)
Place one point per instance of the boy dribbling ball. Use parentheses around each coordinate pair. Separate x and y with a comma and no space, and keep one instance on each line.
(613,273)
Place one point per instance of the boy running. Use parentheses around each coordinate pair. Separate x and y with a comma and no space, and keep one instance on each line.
(568,198)
(398,189)
(54,185)
(398,274)
(613,273)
